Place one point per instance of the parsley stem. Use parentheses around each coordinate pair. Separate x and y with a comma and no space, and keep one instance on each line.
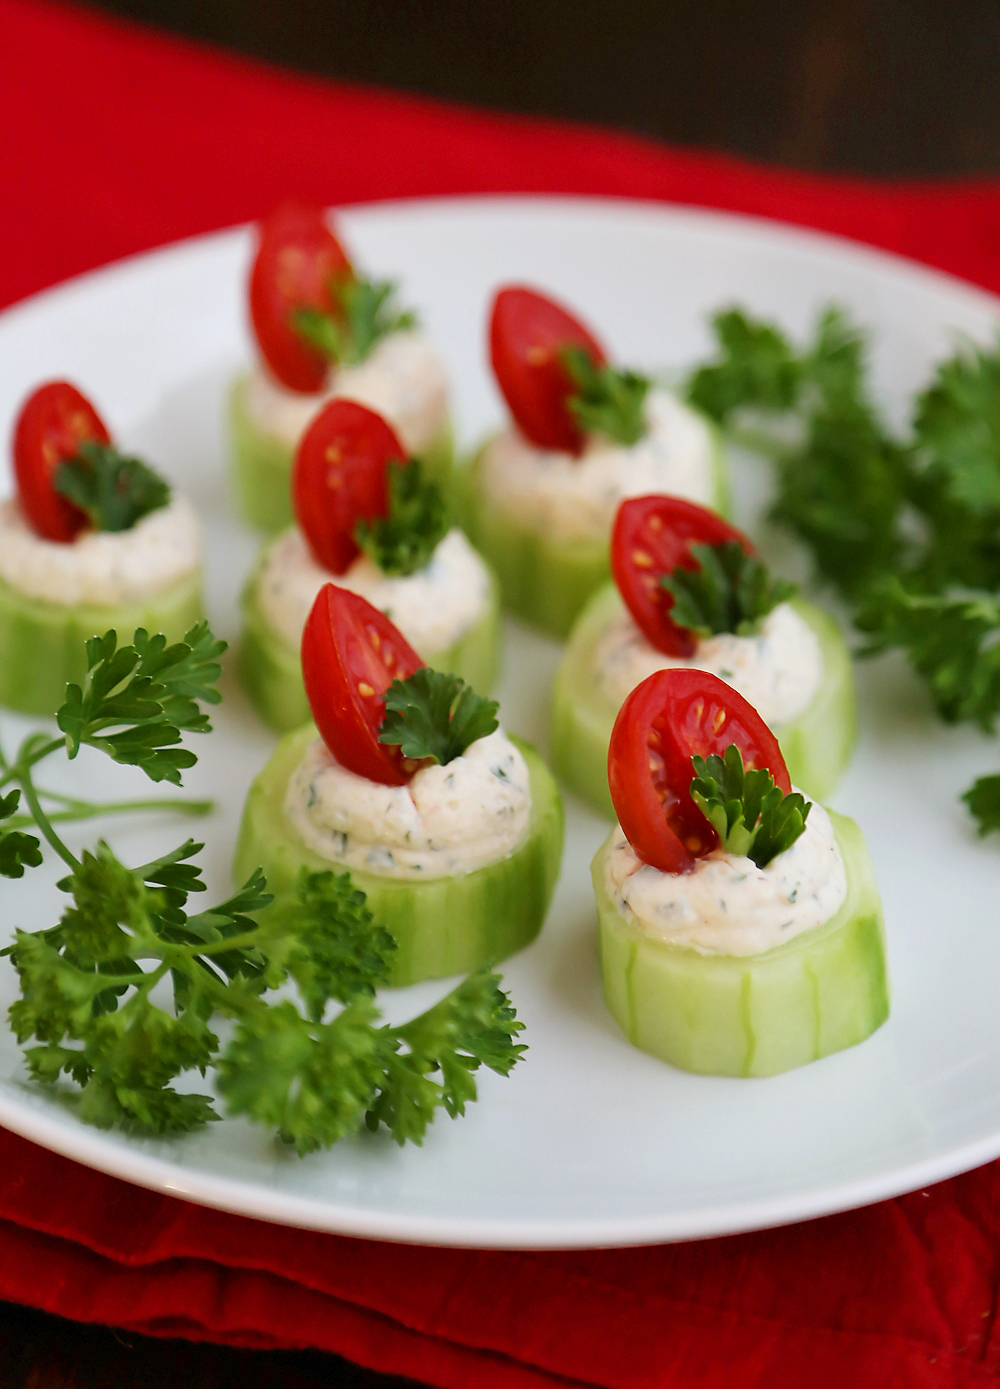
(28,755)
(87,810)
(23,771)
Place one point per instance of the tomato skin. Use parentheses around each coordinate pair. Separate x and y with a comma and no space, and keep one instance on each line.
(54,421)
(650,538)
(527,331)
(671,717)
(351,653)
(339,478)
(297,258)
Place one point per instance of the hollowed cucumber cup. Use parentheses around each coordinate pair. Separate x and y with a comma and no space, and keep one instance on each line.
(753,1015)
(271,671)
(441,926)
(42,645)
(544,580)
(817,746)
(261,466)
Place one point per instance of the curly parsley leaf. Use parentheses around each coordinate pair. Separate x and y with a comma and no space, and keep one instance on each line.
(137,700)
(419,518)
(436,716)
(606,401)
(755,367)
(17,849)
(957,426)
(983,800)
(751,816)
(952,641)
(367,314)
(114,491)
(727,591)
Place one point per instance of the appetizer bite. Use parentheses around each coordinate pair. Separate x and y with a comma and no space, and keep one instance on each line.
(322,329)
(539,499)
(91,539)
(368,517)
(452,829)
(741,928)
(689,591)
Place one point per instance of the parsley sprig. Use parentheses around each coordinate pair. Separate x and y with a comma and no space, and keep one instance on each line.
(419,518)
(368,313)
(114,491)
(751,816)
(727,591)
(435,716)
(123,996)
(607,401)
(907,529)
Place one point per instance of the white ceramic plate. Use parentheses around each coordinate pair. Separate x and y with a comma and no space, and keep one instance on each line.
(589,1142)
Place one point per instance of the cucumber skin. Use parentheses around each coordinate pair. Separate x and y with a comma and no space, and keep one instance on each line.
(754,1015)
(817,746)
(260,467)
(442,926)
(270,671)
(545,582)
(43,645)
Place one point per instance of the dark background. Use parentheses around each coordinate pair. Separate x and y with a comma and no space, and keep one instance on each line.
(889,88)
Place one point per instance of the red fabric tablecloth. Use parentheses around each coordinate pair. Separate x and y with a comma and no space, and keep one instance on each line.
(113,140)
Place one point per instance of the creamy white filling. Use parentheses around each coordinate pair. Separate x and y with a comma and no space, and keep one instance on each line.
(100,568)
(402,378)
(778,670)
(447,821)
(433,608)
(727,905)
(576,498)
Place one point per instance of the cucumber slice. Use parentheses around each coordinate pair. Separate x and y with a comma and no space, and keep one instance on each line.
(261,466)
(754,1015)
(42,644)
(442,926)
(271,671)
(545,581)
(817,746)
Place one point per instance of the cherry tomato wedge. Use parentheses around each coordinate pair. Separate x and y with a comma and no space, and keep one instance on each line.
(298,259)
(53,423)
(527,333)
(351,653)
(339,478)
(651,537)
(671,717)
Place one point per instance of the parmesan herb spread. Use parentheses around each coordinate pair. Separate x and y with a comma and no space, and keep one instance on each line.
(447,821)
(778,670)
(433,608)
(402,379)
(727,905)
(100,568)
(571,498)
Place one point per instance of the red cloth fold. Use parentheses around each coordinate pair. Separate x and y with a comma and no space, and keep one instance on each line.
(113,140)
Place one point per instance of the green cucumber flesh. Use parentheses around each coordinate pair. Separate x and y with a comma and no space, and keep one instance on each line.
(271,672)
(817,745)
(42,645)
(261,466)
(754,1015)
(442,926)
(545,581)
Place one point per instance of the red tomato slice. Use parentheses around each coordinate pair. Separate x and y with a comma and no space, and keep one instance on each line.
(298,258)
(53,423)
(339,478)
(651,537)
(527,333)
(351,653)
(668,719)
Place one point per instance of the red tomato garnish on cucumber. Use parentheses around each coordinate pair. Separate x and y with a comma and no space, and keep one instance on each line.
(668,719)
(651,537)
(298,260)
(527,334)
(351,653)
(339,478)
(54,421)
